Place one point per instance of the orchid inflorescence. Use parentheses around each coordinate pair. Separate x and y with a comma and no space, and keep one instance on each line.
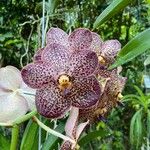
(70,73)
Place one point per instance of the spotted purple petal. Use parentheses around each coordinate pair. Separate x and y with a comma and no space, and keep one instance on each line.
(51,103)
(110,49)
(66,145)
(86,92)
(37,75)
(96,43)
(37,56)
(83,63)
(56,54)
(80,39)
(57,35)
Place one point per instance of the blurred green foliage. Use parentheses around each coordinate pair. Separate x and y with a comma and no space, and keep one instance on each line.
(20,37)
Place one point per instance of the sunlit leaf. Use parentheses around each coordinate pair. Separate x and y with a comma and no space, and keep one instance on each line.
(115,7)
(133,48)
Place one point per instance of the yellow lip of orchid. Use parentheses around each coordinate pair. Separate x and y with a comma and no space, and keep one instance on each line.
(101,60)
(64,83)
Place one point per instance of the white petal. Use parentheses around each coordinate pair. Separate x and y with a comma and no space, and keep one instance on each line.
(4,92)
(12,106)
(10,78)
(29,94)
(71,123)
(81,128)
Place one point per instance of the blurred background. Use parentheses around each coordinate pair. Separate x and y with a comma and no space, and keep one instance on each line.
(20,37)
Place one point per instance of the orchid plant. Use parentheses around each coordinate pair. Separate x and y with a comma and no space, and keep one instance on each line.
(69,74)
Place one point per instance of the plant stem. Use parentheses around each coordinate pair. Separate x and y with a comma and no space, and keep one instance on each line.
(52,131)
(14,137)
(25,117)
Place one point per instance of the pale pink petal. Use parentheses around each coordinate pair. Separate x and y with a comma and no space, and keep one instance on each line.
(80,129)
(10,78)
(71,123)
(12,106)
(80,39)
(57,35)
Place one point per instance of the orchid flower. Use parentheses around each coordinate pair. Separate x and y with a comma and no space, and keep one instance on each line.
(16,98)
(63,73)
(73,130)
(111,94)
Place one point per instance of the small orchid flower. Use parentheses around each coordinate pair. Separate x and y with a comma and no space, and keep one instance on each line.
(110,96)
(73,130)
(106,51)
(63,73)
(14,101)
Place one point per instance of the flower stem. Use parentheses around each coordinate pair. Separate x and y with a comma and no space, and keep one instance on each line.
(14,137)
(52,131)
(25,117)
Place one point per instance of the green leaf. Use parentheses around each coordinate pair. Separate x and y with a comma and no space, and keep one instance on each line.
(136,128)
(52,140)
(91,136)
(133,48)
(4,143)
(29,136)
(110,11)
(52,4)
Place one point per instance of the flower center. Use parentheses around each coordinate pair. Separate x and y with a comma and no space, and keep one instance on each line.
(101,60)
(64,82)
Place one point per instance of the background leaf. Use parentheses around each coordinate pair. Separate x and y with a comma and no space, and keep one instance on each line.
(110,11)
(91,136)
(4,143)
(133,48)
(52,140)
(136,128)
(30,136)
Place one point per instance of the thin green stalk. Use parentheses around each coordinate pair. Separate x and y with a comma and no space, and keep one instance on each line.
(25,117)
(14,137)
(49,130)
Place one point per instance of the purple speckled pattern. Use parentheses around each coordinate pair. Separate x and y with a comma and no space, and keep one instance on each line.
(87,92)
(57,35)
(110,49)
(37,55)
(51,103)
(66,145)
(109,97)
(37,75)
(83,63)
(57,58)
(80,39)
(96,43)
